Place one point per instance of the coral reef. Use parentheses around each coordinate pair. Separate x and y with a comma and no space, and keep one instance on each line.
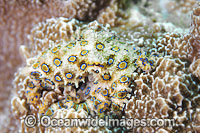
(141,63)
(110,74)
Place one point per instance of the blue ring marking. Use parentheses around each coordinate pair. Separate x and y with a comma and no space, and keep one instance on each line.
(77,96)
(49,81)
(37,65)
(27,92)
(114,49)
(113,84)
(101,65)
(152,62)
(73,105)
(36,77)
(116,105)
(43,86)
(124,67)
(106,93)
(145,60)
(110,59)
(70,75)
(82,105)
(60,79)
(59,105)
(68,100)
(99,45)
(84,51)
(58,60)
(98,90)
(122,92)
(97,104)
(102,110)
(72,57)
(87,92)
(82,88)
(54,49)
(32,85)
(124,81)
(105,104)
(46,66)
(108,78)
(80,77)
(84,67)
(71,46)
(52,111)
(93,98)
(113,96)
(96,82)
(143,64)
(83,44)
(90,64)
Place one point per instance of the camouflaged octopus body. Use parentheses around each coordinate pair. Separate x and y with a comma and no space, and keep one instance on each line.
(95,70)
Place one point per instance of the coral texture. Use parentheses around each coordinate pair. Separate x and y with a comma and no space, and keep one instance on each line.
(144,68)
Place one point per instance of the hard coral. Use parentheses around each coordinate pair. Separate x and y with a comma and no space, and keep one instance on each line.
(166,94)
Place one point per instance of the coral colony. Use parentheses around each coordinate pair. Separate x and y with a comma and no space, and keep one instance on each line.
(78,69)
